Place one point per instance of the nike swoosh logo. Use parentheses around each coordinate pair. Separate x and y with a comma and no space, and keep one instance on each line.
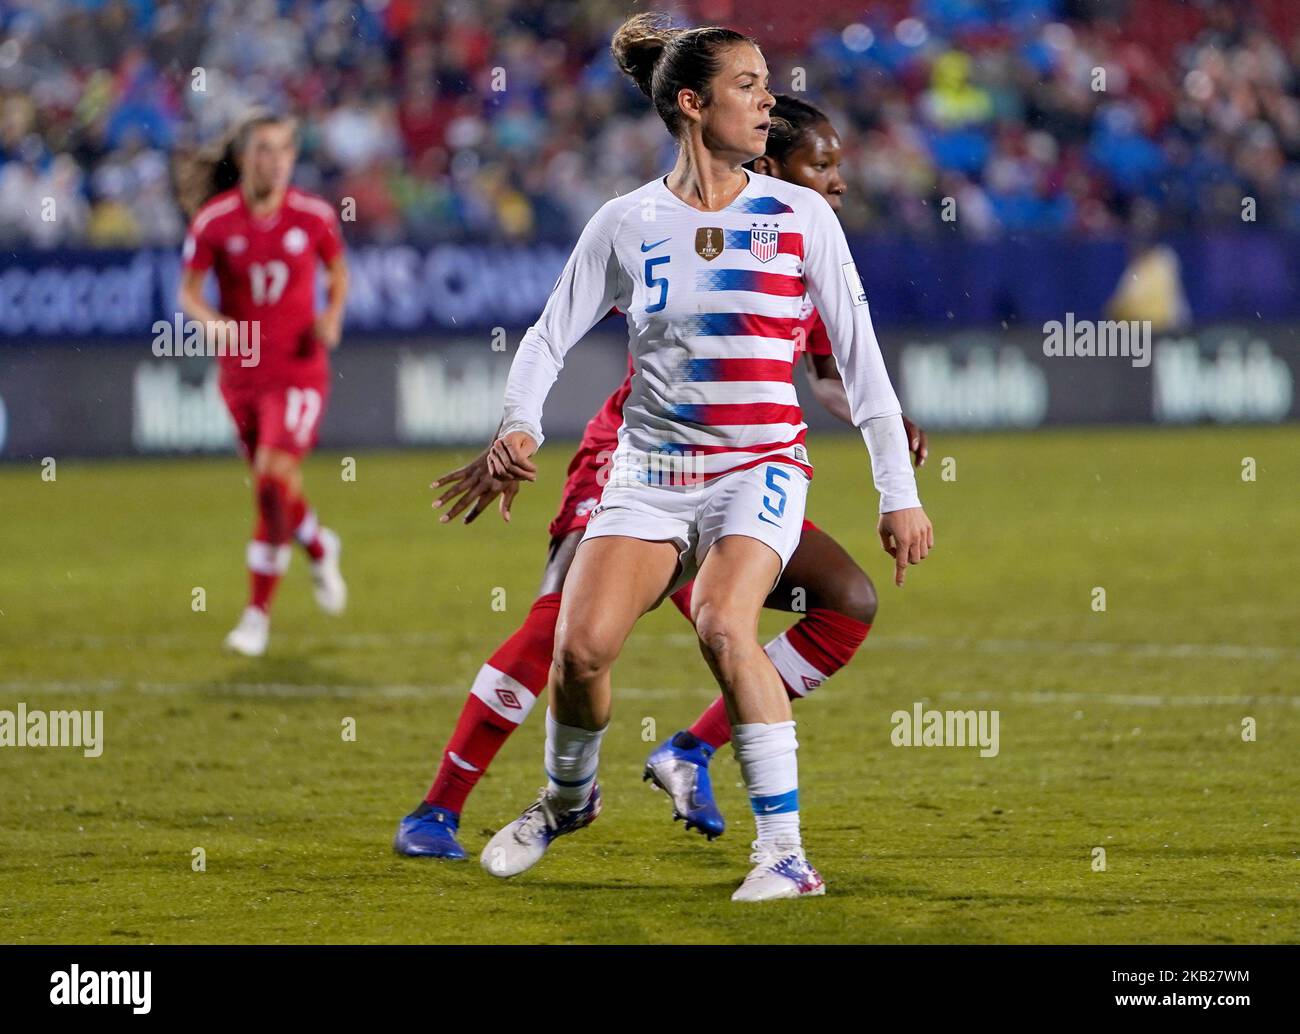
(651,247)
(770,807)
(765,517)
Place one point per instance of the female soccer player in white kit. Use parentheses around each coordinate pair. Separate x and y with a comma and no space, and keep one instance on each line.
(710,264)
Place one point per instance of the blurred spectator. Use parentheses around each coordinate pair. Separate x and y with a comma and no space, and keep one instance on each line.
(506,120)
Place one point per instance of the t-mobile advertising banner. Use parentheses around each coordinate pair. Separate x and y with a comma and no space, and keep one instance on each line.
(61,400)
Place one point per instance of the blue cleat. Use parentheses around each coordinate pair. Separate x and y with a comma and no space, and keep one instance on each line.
(429,834)
(680,767)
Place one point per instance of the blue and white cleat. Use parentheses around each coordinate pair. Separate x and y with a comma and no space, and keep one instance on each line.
(780,871)
(519,846)
(429,835)
(680,768)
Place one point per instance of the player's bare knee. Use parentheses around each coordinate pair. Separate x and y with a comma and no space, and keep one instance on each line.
(855,598)
(275,463)
(580,658)
(721,634)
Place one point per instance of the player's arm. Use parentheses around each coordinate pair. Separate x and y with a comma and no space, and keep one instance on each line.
(837,292)
(584,293)
(192,302)
(329,324)
(198,257)
(827,387)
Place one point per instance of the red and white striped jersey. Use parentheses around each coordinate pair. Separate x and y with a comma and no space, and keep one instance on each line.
(715,307)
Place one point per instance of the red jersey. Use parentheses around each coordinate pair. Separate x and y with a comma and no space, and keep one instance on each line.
(816,340)
(266,273)
(601,434)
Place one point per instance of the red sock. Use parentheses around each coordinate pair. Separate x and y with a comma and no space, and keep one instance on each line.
(819,646)
(713,726)
(805,656)
(480,732)
(267,558)
(306,529)
(261,587)
(682,599)
(504,691)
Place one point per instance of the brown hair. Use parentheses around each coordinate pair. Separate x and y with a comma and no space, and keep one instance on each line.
(663,60)
(204,173)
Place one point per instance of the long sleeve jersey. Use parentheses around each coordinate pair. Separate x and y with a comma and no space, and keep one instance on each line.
(714,303)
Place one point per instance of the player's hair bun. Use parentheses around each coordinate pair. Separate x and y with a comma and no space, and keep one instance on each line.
(639,43)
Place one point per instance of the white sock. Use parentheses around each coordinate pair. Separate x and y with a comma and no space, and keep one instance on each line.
(307,530)
(769,765)
(264,558)
(571,758)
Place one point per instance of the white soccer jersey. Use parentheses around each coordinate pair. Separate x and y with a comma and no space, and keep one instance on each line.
(714,304)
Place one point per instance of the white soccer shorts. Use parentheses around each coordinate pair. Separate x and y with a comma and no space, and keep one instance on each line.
(764,502)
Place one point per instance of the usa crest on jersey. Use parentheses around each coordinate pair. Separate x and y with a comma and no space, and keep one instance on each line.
(763,244)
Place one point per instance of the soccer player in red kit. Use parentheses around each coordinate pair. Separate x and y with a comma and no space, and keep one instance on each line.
(840,599)
(264,239)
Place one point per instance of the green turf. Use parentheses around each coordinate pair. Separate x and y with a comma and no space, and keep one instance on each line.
(1119,730)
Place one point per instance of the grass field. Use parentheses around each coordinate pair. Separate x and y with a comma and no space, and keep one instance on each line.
(1119,729)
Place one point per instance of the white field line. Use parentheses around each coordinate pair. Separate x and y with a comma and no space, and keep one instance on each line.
(876,644)
(1087,648)
(311,691)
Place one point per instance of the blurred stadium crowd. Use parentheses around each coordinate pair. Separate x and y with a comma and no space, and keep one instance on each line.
(993,102)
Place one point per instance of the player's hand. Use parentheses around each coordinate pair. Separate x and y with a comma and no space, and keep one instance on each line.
(329,329)
(508,457)
(472,487)
(907,536)
(916,442)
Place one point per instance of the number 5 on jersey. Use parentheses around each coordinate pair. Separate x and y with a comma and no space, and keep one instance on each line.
(660,282)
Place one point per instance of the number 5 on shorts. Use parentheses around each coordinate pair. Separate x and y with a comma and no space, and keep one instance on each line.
(301,411)
(777,508)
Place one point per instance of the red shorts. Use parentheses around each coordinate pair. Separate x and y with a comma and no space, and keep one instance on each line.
(588,472)
(286,417)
